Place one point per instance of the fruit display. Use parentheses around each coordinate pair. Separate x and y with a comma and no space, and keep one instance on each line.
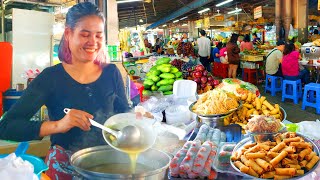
(177,63)
(161,77)
(202,77)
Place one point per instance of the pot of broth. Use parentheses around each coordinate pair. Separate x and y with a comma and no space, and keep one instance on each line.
(104,162)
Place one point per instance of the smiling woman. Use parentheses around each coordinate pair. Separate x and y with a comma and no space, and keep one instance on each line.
(83,82)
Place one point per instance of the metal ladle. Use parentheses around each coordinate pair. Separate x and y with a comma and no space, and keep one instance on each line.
(129,135)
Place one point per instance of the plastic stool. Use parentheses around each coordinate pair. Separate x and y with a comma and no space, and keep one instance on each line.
(273,86)
(223,70)
(312,101)
(215,69)
(250,75)
(291,90)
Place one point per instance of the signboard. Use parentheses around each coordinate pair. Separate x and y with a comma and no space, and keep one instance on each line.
(257,12)
(219,18)
(318,5)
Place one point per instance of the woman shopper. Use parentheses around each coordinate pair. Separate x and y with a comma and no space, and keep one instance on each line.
(83,82)
(233,56)
(246,44)
(290,65)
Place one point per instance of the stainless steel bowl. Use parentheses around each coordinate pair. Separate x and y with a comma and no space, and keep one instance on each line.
(86,159)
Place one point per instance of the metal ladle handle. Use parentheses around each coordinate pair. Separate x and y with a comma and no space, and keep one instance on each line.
(98,125)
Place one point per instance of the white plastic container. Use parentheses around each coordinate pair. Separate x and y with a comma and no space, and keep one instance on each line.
(190,100)
(177,114)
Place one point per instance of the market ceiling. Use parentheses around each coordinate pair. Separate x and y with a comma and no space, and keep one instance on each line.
(139,13)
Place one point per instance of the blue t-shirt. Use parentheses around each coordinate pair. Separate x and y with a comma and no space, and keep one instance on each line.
(56,89)
(214,52)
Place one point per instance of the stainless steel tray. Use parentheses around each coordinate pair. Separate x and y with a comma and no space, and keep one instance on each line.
(249,140)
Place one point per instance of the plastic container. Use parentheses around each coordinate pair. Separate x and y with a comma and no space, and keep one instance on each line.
(10,97)
(177,114)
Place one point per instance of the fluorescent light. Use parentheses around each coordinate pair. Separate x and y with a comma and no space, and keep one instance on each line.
(234,11)
(184,25)
(223,3)
(127,1)
(204,10)
(184,18)
(176,21)
(164,25)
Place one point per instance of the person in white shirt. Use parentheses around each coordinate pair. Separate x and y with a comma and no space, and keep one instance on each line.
(273,60)
(204,50)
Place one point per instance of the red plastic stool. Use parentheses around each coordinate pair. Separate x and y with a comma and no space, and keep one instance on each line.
(224,70)
(250,75)
(215,69)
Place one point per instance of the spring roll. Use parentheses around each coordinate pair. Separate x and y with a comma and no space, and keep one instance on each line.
(264,147)
(266,158)
(303,153)
(250,163)
(268,175)
(264,164)
(262,99)
(277,139)
(269,143)
(255,155)
(286,161)
(278,147)
(272,154)
(278,158)
(247,146)
(243,168)
(308,157)
(201,157)
(176,161)
(289,140)
(252,172)
(299,172)
(269,106)
(293,156)
(312,162)
(296,166)
(187,163)
(301,145)
(303,163)
(252,149)
(290,149)
(278,177)
(234,156)
(285,171)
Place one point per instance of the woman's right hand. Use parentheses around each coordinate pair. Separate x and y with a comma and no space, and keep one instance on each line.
(75,118)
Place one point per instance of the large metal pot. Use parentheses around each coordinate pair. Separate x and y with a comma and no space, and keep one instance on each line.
(85,159)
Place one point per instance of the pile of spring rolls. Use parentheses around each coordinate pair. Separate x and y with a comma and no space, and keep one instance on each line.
(196,157)
(285,157)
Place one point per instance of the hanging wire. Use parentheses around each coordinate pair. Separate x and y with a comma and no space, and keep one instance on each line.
(154,9)
(145,13)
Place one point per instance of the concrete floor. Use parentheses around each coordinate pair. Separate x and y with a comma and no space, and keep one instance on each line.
(294,111)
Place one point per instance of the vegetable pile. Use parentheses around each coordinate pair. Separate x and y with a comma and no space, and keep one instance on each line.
(161,77)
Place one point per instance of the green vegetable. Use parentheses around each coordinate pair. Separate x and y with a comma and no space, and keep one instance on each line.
(167,93)
(154,78)
(164,60)
(164,69)
(153,68)
(146,92)
(164,82)
(148,82)
(147,87)
(179,78)
(167,76)
(165,88)
(155,72)
(174,70)
(178,74)
(154,88)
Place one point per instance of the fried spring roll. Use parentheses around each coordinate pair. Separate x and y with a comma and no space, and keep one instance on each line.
(264,164)
(301,145)
(243,168)
(293,156)
(303,153)
(312,162)
(255,155)
(268,175)
(303,163)
(286,161)
(278,177)
(252,172)
(285,171)
(308,157)
(295,139)
(277,159)
(272,154)
(296,166)
(299,172)
(278,147)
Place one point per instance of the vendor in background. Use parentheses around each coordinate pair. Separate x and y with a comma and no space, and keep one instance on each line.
(158,47)
(246,44)
(274,58)
(256,40)
(290,65)
(233,56)
(147,44)
(83,82)
(185,47)
(204,51)
(223,54)
(216,52)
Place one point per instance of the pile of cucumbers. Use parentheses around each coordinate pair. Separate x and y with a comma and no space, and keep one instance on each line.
(161,77)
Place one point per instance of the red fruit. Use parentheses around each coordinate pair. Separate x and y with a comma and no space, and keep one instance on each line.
(203,80)
(197,74)
(210,83)
(189,69)
(200,67)
(197,80)
(210,78)
(203,86)
(205,73)
(216,82)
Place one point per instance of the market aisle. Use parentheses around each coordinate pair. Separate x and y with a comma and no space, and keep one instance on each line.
(294,111)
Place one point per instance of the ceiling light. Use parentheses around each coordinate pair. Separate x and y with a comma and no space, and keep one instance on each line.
(127,1)
(235,11)
(184,25)
(175,21)
(223,3)
(164,25)
(204,10)
(184,18)
(141,20)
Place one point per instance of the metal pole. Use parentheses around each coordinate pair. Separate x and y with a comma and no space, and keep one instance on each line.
(2,20)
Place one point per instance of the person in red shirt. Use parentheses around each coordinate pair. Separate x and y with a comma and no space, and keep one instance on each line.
(290,65)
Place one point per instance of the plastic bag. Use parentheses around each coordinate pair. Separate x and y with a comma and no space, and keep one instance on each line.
(291,34)
(309,129)
(13,167)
